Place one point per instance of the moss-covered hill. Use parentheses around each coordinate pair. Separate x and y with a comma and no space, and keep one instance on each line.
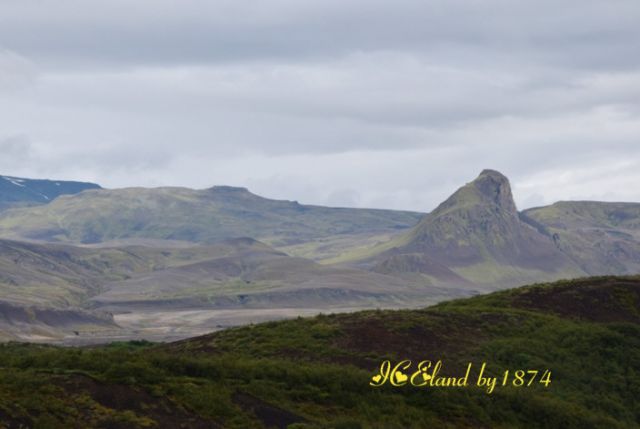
(315,373)
(202,216)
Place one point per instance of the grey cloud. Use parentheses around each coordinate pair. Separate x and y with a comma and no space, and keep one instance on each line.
(584,34)
(367,103)
(15,147)
(16,72)
(16,152)
(329,106)
(343,198)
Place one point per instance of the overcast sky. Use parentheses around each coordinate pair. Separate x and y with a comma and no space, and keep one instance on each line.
(364,103)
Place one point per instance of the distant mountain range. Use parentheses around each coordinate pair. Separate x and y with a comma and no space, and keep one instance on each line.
(16,191)
(174,261)
(200,216)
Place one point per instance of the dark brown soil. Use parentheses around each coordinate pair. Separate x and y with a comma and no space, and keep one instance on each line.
(9,422)
(604,299)
(270,416)
(122,397)
(429,337)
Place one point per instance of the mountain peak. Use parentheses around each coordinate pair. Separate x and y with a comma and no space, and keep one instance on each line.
(229,189)
(478,234)
(495,186)
(230,194)
(493,173)
(490,188)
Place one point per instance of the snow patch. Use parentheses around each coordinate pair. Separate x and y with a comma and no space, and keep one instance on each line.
(14,181)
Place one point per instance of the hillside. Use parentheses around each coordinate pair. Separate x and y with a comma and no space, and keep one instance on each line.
(315,372)
(202,216)
(603,238)
(37,323)
(45,288)
(17,191)
(178,291)
(62,275)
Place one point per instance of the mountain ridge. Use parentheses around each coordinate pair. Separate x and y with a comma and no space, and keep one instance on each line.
(175,258)
(16,191)
(206,216)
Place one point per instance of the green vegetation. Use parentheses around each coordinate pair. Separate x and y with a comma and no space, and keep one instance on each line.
(314,373)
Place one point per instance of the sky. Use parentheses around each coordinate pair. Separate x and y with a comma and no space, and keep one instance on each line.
(388,104)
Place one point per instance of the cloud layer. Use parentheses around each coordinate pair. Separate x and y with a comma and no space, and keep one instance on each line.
(376,103)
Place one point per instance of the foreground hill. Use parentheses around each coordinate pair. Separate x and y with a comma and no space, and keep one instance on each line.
(315,373)
(17,191)
(202,216)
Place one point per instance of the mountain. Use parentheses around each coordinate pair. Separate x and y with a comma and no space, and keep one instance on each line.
(602,238)
(475,237)
(202,216)
(174,262)
(314,373)
(17,191)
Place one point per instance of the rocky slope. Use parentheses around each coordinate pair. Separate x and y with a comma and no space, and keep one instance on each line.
(602,238)
(475,237)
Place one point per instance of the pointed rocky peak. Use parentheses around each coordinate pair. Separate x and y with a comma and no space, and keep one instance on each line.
(490,188)
(496,188)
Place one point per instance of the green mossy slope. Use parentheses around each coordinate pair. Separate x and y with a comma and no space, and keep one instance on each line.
(314,373)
